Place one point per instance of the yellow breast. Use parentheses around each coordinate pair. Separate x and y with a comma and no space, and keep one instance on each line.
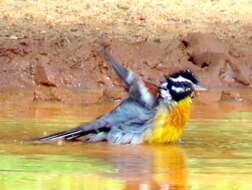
(168,125)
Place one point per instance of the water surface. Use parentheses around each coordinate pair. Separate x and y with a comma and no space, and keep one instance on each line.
(216,153)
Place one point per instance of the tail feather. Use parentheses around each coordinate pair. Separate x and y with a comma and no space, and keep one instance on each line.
(82,130)
(68,134)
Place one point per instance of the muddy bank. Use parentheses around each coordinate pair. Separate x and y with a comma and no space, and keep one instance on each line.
(77,73)
(48,49)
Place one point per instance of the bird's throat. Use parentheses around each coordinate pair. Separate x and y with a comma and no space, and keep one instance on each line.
(169,122)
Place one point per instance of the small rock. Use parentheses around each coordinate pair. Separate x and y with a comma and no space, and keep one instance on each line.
(43,32)
(226,74)
(42,93)
(230,95)
(142,17)
(46,74)
(12,37)
(123,6)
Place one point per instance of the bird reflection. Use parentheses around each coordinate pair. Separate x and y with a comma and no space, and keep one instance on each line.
(152,167)
(102,167)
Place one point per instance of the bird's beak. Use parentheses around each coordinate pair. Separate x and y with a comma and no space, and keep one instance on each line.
(199,88)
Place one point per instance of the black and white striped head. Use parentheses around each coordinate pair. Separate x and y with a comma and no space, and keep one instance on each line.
(179,85)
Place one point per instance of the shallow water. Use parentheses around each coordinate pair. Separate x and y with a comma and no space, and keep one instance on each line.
(216,153)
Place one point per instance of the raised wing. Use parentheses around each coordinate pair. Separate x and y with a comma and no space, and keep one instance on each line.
(138,89)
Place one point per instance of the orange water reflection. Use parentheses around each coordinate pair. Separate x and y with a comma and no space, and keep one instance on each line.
(167,169)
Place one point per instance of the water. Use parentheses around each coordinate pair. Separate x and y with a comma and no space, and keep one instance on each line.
(216,153)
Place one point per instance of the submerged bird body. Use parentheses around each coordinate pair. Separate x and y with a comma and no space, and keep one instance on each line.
(151,114)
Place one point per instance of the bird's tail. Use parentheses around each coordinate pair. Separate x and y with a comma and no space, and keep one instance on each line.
(94,127)
(68,134)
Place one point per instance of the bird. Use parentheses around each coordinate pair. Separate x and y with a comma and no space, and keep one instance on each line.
(151,113)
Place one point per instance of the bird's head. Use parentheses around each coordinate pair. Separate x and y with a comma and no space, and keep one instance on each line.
(179,85)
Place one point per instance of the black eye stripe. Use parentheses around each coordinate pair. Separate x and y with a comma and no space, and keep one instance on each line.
(162,88)
(181,84)
(187,74)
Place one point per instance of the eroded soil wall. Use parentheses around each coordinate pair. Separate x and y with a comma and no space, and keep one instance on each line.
(49,49)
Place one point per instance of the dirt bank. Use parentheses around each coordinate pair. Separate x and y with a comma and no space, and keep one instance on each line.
(48,49)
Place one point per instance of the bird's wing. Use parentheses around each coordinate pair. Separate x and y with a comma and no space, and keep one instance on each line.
(131,113)
(139,90)
(129,122)
(127,118)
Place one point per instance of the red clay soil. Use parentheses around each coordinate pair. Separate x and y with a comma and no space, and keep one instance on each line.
(68,67)
(79,74)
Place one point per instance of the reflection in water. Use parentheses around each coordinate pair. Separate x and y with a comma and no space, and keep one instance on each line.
(165,168)
(172,160)
(159,167)
(217,144)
